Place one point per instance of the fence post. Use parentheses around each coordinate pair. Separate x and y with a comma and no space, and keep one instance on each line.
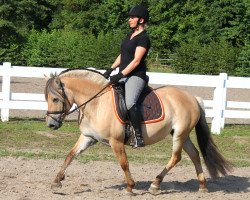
(219,104)
(5,91)
(224,98)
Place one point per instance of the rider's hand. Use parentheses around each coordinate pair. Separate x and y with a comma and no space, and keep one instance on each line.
(107,73)
(115,78)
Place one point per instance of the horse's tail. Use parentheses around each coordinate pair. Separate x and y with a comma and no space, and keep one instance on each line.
(214,161)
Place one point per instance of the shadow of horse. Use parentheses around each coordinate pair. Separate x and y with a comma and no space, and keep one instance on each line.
(227,184)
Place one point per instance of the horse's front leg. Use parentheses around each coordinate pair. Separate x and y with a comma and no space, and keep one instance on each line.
(82,143)
(119,150)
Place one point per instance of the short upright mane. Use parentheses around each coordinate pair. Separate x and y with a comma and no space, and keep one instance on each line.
(88,74)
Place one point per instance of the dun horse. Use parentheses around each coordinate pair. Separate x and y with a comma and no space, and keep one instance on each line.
(98,122)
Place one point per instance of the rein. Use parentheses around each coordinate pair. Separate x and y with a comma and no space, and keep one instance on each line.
(83,104)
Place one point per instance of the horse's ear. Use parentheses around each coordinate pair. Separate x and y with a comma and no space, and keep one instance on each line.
(46,77)
(58,82)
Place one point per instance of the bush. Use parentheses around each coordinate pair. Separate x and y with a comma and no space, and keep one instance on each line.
(71,49)
(107,48)
(213,58)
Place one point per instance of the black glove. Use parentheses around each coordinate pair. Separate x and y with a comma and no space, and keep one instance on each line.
(115,78)
(107,73)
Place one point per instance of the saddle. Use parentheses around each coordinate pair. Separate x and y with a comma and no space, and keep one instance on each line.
(149,103)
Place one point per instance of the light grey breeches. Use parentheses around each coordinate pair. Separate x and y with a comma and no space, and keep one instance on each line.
(133,88)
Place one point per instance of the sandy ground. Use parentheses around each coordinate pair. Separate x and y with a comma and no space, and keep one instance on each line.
(25,179)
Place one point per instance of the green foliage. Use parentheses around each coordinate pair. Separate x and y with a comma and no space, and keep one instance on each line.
(91,17)
(173,22)
(17,17)
(227,19)
(243,63)
(213,58)
(106,49)
(173,25)
(71,49)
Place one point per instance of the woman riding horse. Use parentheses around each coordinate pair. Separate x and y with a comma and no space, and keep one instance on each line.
(132,66)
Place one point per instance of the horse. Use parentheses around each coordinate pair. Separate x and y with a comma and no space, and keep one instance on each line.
(91,92)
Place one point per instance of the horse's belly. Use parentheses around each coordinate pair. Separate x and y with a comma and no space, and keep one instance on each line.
(156,132)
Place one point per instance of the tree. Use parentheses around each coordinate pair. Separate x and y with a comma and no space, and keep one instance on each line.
(173,22)
(171,25)
(17,18)
(226,19)
(243,62)
(92,16)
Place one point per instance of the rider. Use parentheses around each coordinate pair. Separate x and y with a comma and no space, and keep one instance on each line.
(132,66)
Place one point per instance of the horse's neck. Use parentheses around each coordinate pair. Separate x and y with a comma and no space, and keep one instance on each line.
(83,90)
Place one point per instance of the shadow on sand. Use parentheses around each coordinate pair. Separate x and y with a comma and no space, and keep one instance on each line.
(227,184)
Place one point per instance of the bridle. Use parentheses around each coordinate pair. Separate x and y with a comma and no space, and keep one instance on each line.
(63,113)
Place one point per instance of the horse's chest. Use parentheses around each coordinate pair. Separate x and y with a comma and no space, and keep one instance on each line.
(90,132)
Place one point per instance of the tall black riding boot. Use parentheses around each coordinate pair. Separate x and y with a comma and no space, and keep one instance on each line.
(135,118)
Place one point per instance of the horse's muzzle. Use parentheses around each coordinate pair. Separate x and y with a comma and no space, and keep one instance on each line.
(54,126)
(53,122)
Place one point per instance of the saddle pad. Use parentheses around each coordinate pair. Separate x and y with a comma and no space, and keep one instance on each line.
(150,105)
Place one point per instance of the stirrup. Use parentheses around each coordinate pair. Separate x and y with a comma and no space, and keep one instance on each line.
(139,142)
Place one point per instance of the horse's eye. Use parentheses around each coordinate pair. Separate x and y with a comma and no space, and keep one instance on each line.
(55,100)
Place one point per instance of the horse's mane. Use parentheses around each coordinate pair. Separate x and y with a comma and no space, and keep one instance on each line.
(86,74)
(81,69)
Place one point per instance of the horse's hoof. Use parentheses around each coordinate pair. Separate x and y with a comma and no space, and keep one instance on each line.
(203,190)
(129,193)
(56,185)
(154,189)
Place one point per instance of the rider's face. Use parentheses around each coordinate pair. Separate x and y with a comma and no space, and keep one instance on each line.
(133,21)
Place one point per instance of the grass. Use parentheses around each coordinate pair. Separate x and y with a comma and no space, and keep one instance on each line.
(32,139)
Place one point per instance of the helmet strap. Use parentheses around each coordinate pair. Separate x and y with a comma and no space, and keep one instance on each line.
(138,23)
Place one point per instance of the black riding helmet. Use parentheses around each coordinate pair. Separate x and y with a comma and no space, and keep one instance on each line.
(139,11)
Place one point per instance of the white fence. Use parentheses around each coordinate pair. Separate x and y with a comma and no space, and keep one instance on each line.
(218,109)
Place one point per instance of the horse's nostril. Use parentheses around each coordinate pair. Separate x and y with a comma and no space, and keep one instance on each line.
(52,126)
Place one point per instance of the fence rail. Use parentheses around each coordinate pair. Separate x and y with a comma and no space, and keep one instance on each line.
(218,108)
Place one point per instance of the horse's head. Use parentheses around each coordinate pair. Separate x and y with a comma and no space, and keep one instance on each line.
(60,97)
(58,102)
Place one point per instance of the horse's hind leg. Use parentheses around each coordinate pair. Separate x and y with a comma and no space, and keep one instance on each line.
(175,158)
(194,156)
(81,144)
(119,150)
